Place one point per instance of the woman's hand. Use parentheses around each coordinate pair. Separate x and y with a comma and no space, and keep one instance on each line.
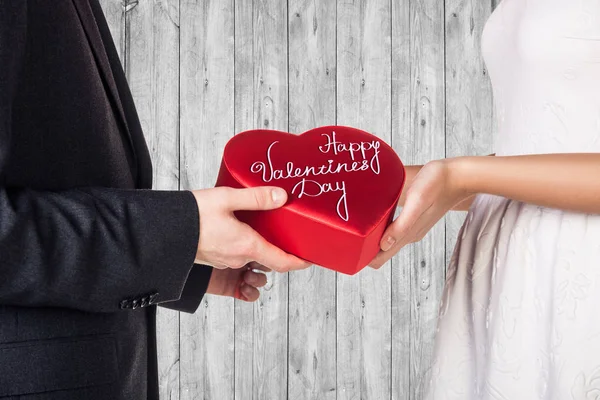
(433,192)
(567,181)
(241,283)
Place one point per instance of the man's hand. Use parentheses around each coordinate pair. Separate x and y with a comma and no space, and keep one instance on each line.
(225,242)
(241,283)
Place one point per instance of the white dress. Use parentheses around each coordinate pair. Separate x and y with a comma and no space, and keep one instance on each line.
(520,314)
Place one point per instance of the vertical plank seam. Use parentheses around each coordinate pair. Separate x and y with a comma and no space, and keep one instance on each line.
(445,130)
(412,249)
(444,127)
(234,131)
(392,145)
(287,56)
(179,105)
(179,176)
(253,124)
(337,388)
(125,40)
(492,108)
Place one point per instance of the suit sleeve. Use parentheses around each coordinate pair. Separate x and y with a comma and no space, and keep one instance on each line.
(92,249)
(193,291)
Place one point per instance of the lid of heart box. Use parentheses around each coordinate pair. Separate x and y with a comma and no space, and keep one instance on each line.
(342,176)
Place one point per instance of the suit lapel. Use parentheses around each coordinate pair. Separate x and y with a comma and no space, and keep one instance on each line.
(90,26)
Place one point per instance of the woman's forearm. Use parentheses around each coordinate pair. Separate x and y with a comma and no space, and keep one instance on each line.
(563,181)
(465,204)
(411,172)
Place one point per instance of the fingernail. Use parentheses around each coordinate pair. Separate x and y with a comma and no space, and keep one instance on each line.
(388,243)
(277,195)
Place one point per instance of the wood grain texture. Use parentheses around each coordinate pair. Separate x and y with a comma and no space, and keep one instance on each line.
(364,101)
(425,260)
(270,78)
(114,11)
(207,115)
(244,119)
(261,101)
(312,300)
(408,71)
(152,66)
(402,139)
(469,111)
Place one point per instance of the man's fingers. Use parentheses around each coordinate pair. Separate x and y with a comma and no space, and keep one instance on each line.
(255,279)
(256,198)
(277,259)
(254,266)
(248,293)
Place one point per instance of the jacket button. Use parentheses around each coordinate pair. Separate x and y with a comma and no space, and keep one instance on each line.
(153,298)
(135,304)
(125,304)
(144,301)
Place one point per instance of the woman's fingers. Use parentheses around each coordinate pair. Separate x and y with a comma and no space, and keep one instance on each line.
(419,228)
(380,259)
(402,226)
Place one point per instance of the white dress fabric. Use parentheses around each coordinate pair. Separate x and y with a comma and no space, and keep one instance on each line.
(520,314)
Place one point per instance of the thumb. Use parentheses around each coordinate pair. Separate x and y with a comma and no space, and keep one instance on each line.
(400,227)
(256,198)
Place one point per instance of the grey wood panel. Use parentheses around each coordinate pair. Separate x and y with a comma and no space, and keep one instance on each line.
(364,101)
(410,72)
(270,78)
(245,313)
(402,137)
(207,115)
(425,260)
(114,11)
(469,110)
(152,66)
(312,300)
(261,101)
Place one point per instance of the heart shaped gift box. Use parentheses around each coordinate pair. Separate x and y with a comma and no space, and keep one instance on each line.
(343,186)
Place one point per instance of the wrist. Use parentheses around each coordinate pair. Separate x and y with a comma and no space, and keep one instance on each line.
(461,171)
(411,171)
(196,195)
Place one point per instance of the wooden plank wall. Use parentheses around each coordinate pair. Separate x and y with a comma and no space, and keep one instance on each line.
(409,71)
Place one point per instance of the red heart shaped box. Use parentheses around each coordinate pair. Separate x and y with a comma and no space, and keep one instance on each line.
(359,178)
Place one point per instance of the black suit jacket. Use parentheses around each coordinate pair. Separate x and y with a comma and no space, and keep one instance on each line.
(86,249)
